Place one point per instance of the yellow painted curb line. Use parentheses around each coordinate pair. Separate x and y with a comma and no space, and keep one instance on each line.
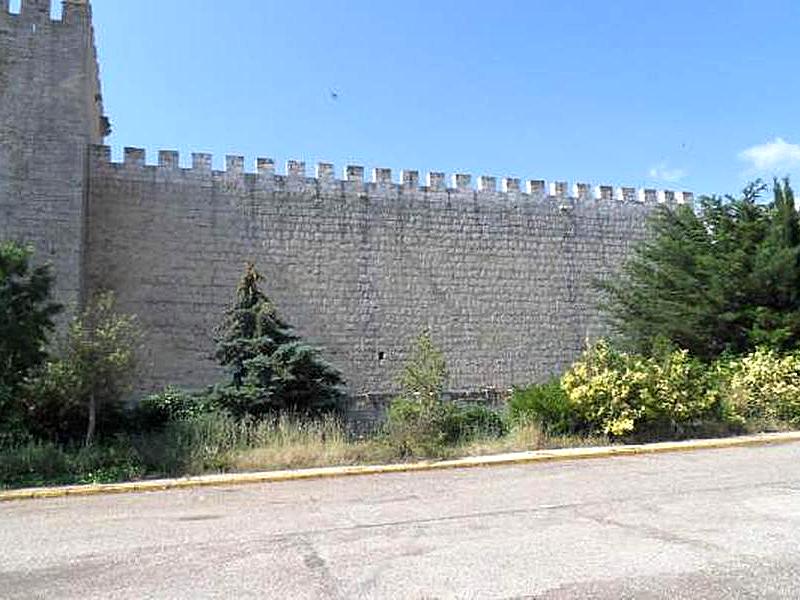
(532,456)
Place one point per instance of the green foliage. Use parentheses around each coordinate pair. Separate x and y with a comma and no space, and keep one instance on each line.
(424,374)
(38,463)
(545,403)
(170,404)
(473,421)
(723,280)
(763,386)
(271,369)
(618,393)
(416,428)
(26,320)
(81,392)
(191,446)
(419,421)
(208,442)
(54,408)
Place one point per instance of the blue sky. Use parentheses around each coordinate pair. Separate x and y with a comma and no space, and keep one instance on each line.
(679,95)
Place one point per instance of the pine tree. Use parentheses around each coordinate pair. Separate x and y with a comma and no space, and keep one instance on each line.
(271,369)
(723,279)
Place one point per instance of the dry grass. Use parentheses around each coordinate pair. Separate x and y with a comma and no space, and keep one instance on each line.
(315,453)
(298,444)
(528,436)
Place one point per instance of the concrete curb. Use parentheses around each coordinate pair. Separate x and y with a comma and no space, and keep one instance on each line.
(532,456)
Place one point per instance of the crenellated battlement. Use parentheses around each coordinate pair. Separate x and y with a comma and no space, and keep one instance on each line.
(380,183)
(37,12)
(71,35)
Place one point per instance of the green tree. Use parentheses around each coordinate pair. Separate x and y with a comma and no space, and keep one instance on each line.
(271,369)
(81,392)
(721,279)
(419,420)
(424,374)
(26,320)
(776,276)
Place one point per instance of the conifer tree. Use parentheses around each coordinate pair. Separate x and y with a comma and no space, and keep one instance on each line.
(723,279)
(271,369)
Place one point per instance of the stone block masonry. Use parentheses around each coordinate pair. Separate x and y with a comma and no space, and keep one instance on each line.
(50,112)
(502,277)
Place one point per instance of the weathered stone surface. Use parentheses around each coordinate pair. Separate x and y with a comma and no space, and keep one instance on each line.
(503,280)
(50,107)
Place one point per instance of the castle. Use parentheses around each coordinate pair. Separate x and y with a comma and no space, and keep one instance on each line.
(503,278)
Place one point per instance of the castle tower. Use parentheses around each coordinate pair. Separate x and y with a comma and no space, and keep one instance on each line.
(50,112)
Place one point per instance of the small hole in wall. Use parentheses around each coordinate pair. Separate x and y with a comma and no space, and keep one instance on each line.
(381,356)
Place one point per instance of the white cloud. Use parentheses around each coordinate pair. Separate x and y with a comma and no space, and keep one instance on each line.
(664,172)
(777,154)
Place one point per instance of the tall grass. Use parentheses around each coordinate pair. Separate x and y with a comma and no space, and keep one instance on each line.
(216,442)
(292,443)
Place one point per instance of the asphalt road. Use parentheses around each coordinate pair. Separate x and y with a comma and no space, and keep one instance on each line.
(707,524)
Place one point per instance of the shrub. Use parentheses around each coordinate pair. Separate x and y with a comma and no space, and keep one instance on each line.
(418,421)
(170,404)
(33,462)
(417,428)
(424,374)
(618,394)
(473,421)
(37,463)
(190,446)
(54,409)
(680,393)
(81,391)
(605,389)
(545,403)
(763,386)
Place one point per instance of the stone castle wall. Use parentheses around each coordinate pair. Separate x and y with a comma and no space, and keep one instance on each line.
(50,108)
(502,278)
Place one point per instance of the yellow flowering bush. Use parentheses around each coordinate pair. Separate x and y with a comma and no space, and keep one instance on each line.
(603,387)
(764,385)
(680,389)
(618,393)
